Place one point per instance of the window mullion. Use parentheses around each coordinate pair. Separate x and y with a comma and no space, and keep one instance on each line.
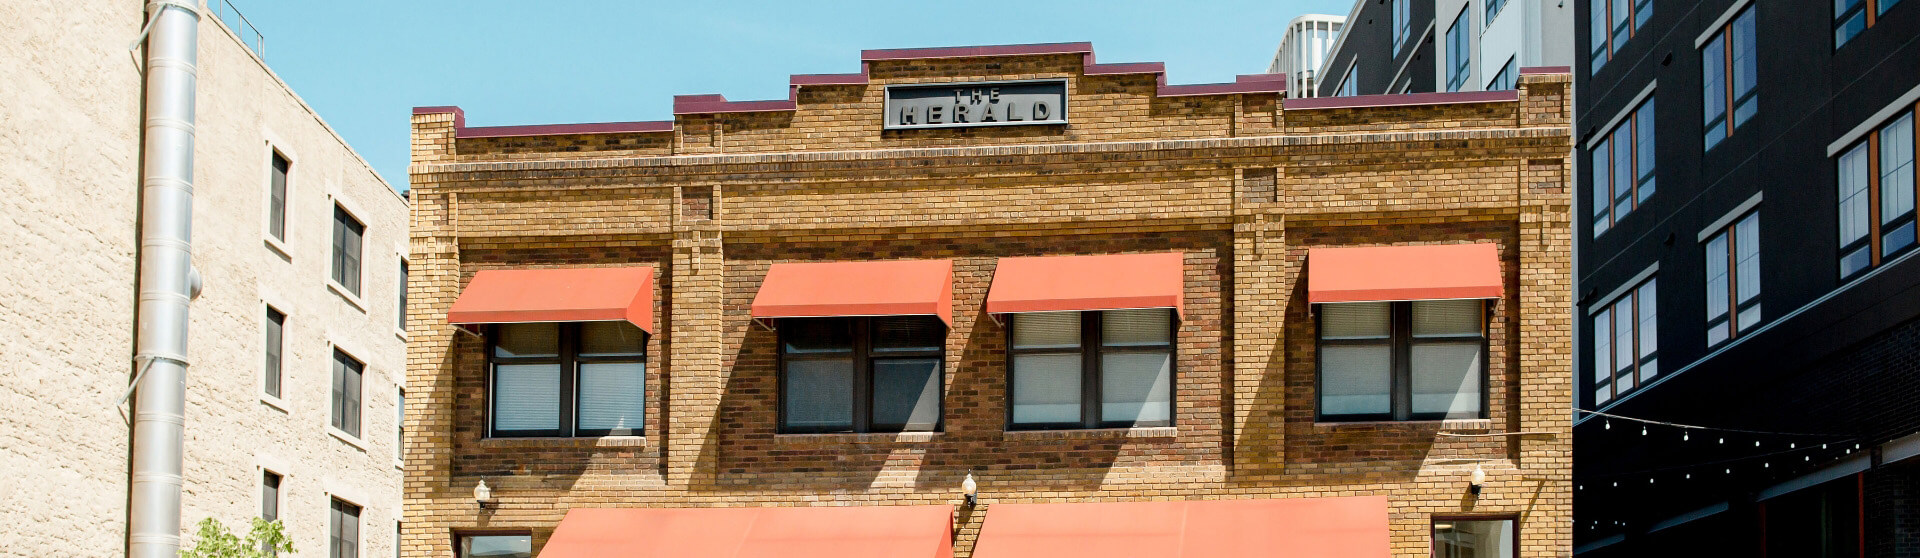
(1873,198)
(569,371)
(1401,391)
(1090,369)
(862,375)
(1733,280)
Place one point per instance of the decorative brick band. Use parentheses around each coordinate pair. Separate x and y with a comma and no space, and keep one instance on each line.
(566,129)
(1526,70)
(1402,100)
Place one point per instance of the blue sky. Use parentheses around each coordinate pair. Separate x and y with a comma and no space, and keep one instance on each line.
(363,65)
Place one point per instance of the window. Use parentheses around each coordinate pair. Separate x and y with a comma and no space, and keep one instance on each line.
(568,379)
(347,233)
(1493,9)
(1402,23)
(1505,79)
(269,495)
(1419,360)
(347,373)
(1608,26)
(1474,538)
(1729,66)
(1625,342)
(1104,369)
(878,374)
(1459,53)
(1850,17)
(343,531)
(496,546)
(1622,164)
(1349,85)
(399,424)
(402,311)
(277,197)
(1733,280)
(275,350)
(1879,170)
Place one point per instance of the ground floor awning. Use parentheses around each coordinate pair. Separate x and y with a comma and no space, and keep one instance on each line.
(1396,273)
(577,294)
(1092,282)
(1284,527)
(871,288)
(789,532)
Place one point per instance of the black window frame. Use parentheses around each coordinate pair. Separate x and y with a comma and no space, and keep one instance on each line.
(401,306)
(341,541)
(568,359)
(1605,43)
(1874,242)
(345,267)
(1433,529)
(863,360)
(1727,120)
(1730,318)
(1402,24)
(273,370)
(1400,341)
(1459,64)
(460,540)
(345,404)
(270,483)
(1868,11)
(279,172)
(1645,367)
(1507,79)
(1642,165)
(1091,350)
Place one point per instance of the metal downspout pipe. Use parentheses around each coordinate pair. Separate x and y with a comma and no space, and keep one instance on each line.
(167,281)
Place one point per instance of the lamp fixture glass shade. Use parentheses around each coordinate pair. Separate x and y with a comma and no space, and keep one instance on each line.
(969,487)
(481,493)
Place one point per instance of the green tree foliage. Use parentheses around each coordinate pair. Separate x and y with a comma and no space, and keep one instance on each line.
(266,540)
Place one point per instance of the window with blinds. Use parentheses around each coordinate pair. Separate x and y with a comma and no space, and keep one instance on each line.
(868,374)
(1418,360)
(347,375)
(347,235)
(568,379)
(275,349)
(1102,369)
(343,530)
(277,197)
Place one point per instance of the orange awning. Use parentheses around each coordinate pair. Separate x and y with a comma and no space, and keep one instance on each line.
(797,532)
(1344,527)
(1391,273)
(884,288)
(1077,283)
(584,294)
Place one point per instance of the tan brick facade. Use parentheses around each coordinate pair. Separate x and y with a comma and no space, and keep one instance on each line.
(1240,184)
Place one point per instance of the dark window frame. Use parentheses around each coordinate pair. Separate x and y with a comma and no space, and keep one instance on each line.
(1868,10)
(1631,299)
(1400,341)
(1402,24)
(1605,44)
(279,173)
(459,536)
(401,307)
(275,352)
(1092,348)
(1507,78)
(338,544)
(1731,318)
(568,359)
(345,405)
(863,361)
(270,483)
(1494,7)
(1643,174)
(1874,241)
(1433,528)
(345,268)
(1459,64)
(1729,116)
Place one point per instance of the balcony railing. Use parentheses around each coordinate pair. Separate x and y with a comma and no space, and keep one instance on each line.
(237,22)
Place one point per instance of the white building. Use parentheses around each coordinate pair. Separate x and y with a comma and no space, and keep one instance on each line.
(295,354)
(1304,49)
(1480,45)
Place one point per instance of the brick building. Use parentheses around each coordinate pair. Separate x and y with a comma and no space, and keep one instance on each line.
(1084,291)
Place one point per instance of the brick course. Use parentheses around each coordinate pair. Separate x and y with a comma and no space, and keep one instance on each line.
(1237,182)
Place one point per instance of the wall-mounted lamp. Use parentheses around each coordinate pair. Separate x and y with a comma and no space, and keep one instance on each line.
(971,490)
(483,495)
(1479,478)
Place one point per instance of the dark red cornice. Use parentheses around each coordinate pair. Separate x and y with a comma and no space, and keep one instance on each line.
(1526,70)
(1402,100)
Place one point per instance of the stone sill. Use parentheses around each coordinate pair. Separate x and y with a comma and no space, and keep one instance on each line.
(857,438)
(1091,433)
(352,299)
(558,442)
(1448,424)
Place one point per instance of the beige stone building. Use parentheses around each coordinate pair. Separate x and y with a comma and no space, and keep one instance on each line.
(70,151)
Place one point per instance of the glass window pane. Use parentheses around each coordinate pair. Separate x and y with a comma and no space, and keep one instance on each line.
(1446,317)
(1713,89)
(1356,380)
(1046,330)
(604,339)
(527,340)
(906,392)
(496,546)
(1121,328)
(613,395)
(1849,26)
(269,496)
(1717,276)
(1745,69)
(1473,539)
(1643,143)
(908,333)
(819,394)
(816,335)
(1642,9)
(1623,335)
(1648,329)
(1750,317)
(1884,4)
(1896,169)
(1136,386)
(1747,239)
(1603,345)
(1854,261)
(1896,239)
(1602,188)
(1853,194)
(526,397)
(1719,331)
(1046,388)
(277,198)
(1622,171)
(276,327)
(1597,33)
(1446,379)
(1355,320)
